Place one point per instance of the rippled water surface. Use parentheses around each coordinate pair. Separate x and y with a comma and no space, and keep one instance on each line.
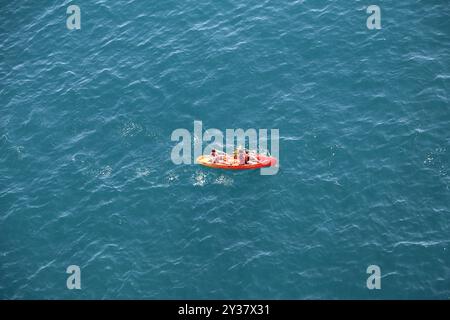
(86,176)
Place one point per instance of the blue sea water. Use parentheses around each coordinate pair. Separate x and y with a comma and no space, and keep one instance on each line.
(85,171)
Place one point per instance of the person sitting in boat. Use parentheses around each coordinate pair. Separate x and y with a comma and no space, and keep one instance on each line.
(247,157)
(241,157)
(214,157)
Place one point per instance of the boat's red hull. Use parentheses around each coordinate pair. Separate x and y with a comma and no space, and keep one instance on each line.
(264,161)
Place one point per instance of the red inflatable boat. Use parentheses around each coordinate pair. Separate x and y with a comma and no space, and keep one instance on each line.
(228,162)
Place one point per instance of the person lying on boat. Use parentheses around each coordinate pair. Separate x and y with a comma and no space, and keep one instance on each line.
(217,157)
(214,156)
(251,157)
